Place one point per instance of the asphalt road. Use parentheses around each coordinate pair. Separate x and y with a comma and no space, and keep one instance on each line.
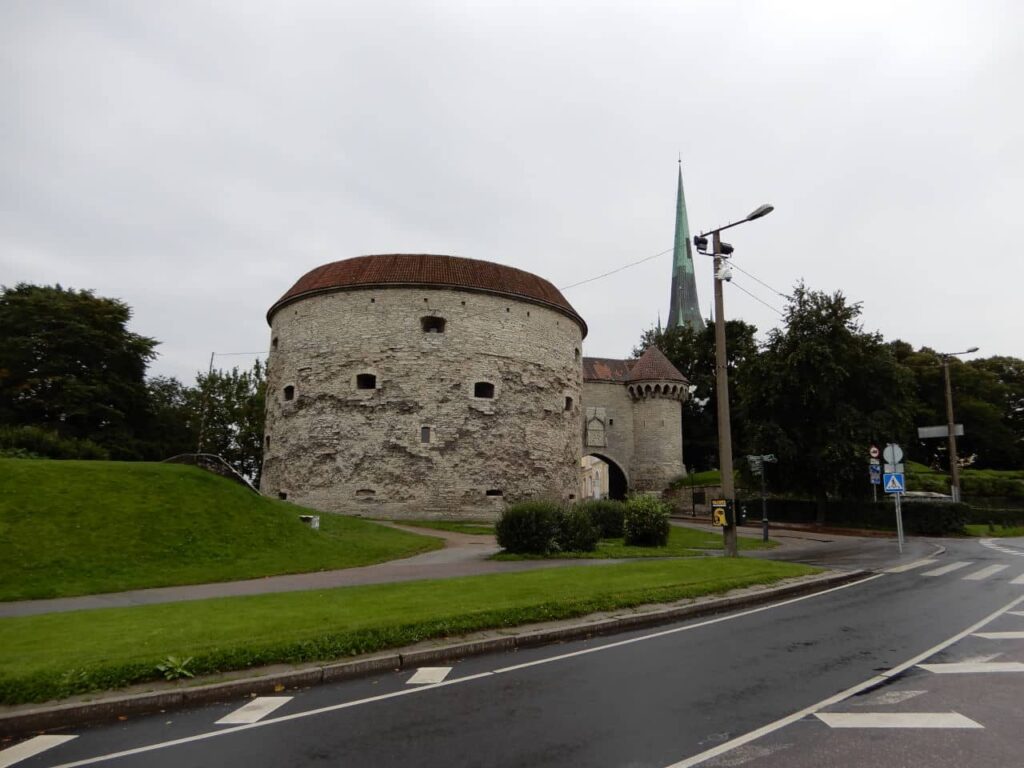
(739,689)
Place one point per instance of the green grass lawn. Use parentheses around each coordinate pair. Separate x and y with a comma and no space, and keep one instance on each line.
(83,527)
(682,542)
(477,529)
(55,655)
(998,532)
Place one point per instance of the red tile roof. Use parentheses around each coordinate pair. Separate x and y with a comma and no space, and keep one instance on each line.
(409,269)
(652,365)
(605,369)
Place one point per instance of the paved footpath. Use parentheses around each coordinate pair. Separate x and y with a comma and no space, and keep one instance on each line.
(463,555)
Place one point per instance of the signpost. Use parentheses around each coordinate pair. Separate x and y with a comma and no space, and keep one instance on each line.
(757,467)
(893,483)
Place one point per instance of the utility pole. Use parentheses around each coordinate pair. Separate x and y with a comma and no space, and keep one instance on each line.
(722,401)
(954,461)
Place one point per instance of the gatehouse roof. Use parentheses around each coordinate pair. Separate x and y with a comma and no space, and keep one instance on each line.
(425,269)
(652,365)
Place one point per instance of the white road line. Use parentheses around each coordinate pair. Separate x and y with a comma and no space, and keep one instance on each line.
(1019,580)
(948,568)
(911,566)
(255,710)
(960,668)
(30,748)
(1017,613)
(984,573)
(896,720)
(991,544)
(1001,635)
(764,730)
(466,679)
(428,675)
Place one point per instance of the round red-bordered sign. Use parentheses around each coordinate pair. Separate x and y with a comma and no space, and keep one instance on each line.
(873,451)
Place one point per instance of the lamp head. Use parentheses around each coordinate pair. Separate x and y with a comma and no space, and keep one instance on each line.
(972,349)
(725,249)
(762,210)
(701,242)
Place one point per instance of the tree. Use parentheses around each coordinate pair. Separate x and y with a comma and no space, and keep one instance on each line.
(820,392)
(693,354)
(227,412)
(69,364)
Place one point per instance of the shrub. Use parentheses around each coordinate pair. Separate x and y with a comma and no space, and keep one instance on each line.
(17,442)
(646,522)
(530,527)
(606,514)
(577,531)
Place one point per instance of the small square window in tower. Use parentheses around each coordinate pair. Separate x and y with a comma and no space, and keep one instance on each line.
(568,403)
(289,392)
(366,381)
(424,434)
(432,324)
(483,389)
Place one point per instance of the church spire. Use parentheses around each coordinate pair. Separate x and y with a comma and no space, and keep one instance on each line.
(683,306)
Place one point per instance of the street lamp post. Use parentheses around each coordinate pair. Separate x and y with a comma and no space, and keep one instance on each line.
(954,462)
(720,252)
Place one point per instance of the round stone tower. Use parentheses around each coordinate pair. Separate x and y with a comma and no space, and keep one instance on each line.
(417,386)
(657,389)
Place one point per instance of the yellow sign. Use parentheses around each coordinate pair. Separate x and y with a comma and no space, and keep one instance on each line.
(718,507)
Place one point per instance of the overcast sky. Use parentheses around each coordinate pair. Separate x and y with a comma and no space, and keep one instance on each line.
(195,159)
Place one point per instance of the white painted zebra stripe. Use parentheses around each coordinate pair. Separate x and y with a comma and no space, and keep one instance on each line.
(30,748)
(1017,613)
(1019,580)
(255,710)
(1006,550)
(948,568)
(911,566)
(973,667)
(896,720)
(428,675)
(1001,635)
(984,573)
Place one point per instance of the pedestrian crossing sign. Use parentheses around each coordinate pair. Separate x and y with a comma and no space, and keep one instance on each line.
(893,483)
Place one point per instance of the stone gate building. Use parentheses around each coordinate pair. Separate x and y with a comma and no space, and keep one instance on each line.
(412,385)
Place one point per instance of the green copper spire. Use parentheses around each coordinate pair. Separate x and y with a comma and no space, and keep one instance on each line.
(683,306)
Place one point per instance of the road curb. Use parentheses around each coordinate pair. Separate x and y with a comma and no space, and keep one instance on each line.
(22,721)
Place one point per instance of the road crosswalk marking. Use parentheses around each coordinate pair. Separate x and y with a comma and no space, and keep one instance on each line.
(948,568)
(30,748)
(1016,613)
(972,667)
(896,720)
(984,573)
(911,566)
(1019,580)
(428,675)
(255,710)
(1000,635)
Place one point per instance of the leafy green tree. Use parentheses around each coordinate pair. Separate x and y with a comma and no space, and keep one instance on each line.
(988,399)
(227,412)
(693,354)
(69,364)
(820,392)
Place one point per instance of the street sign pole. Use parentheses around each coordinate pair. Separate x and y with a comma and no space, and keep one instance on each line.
(894,455)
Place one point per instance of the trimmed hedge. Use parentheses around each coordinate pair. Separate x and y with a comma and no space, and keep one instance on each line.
(1005,517)
(530,527)
(608,515)
(576,531)
(646,522)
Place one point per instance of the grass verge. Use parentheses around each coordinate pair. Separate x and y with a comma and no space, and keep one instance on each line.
(61,654)
(83,527)
(997,531)
(682,542)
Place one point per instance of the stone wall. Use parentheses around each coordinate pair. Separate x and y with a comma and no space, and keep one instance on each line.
(658,442)
(420,441)
(608,424)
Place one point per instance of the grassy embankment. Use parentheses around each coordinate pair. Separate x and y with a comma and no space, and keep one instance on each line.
(55,655)
(994,531)
(453,526)
(85,527)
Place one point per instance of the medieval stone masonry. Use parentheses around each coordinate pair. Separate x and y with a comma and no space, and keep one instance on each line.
(417,386)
